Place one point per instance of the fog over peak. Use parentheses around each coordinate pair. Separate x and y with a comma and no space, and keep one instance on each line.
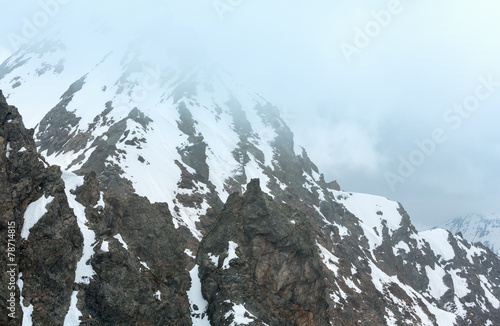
(409,111)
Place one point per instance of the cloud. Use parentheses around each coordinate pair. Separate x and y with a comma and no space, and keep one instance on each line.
(343,148)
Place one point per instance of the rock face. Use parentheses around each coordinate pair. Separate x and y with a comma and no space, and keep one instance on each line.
(261,255)
(139,264)
(46,242)
(137,259)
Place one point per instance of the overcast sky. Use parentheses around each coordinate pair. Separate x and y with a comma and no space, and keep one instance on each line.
(395,98)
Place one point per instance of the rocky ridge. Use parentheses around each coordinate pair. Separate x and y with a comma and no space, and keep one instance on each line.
(261,255)
(47,242)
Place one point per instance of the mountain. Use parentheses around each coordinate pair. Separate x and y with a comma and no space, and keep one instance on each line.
(156,190)
(478,227)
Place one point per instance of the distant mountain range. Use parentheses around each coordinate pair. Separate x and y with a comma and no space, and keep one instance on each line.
(478,227)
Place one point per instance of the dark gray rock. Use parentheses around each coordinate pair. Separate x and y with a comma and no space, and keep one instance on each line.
(143,284)
(277,275)
(47,258)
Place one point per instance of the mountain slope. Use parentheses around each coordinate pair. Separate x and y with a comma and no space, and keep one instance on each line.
(159,159)
(478,227)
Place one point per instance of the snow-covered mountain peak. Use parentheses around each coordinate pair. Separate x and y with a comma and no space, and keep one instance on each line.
(478,227)
(150,120)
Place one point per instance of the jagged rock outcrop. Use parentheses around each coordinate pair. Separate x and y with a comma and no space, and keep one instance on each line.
(260,255)
(139,264)
(38,228)
(141,276)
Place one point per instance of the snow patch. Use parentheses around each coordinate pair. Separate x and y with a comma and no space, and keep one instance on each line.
(73,315)
(34,212)
(438,240)
(436,287)
(105,246)
(239,314)
(197,304)
(143,263)
(352,285)
(343,231)
(329,259)
(373,212)
(27,311)
(8,149)
(354,270)
(230,255)
(120,239)
(401,246)
(390,318)
(253,170)
(486,285)
(370,209)
(101,201)
(459,283)
(214,259)
(189,253)
(84,270)
(418,239)
(471,252)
